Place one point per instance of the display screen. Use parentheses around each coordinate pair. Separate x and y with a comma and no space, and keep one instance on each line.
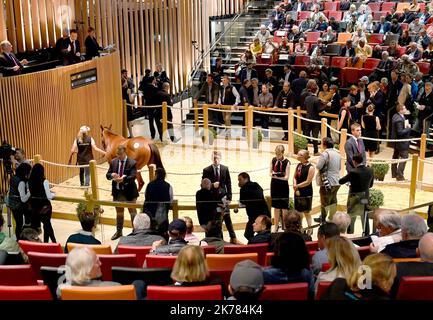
(83,78)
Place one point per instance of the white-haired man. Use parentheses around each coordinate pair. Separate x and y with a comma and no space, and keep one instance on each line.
(413,227)
(9,64)
(142,234)
(388,226)
(263,34)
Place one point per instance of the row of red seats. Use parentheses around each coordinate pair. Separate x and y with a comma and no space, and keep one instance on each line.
(374,6)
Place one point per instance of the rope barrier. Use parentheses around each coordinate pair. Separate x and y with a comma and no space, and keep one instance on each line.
(275,130)
(228,111)
(271,113)
(387,140)
(332,128)
(307,137)
(181,124)
(68,187)
(65,165)
(226,127)
(306,119)
(426,161)
(144,107)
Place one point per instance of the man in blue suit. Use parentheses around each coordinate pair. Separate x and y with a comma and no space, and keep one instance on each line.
(383,26)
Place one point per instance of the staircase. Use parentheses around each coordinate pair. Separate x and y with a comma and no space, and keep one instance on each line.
(414,147)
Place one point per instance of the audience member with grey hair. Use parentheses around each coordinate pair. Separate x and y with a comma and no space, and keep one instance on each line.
(263,34)
(417,268)
(342,220)
(413,227)
(388,226)
(142,235)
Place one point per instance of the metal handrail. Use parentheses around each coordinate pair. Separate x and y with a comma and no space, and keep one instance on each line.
(200,59)
(416,207)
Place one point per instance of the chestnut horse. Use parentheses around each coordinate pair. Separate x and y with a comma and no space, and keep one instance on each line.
(141,149)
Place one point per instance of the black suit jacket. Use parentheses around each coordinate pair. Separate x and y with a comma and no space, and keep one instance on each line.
(398,131)
(206,205)
(360,178)
(379,102)
(225,188)
(402,249)
(128,188)
(6,65)
(92,48)
(335,104)
(251,196)
(411,269)
(70,57)
(215,91)
(243,74)
(344,49)
(351,149)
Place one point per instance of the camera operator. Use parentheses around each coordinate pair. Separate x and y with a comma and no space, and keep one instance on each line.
(19,157)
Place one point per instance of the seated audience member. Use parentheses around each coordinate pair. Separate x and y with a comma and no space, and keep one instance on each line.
(214,236)
(358,35)
(413,52)
(342,220)
(6,243)
(190,268)
(142,234)
(348,50)
(293,223)
(377,52)
(388,226)
(256,47)
(326,231)
(383,26)
(395,28)
(86,235)
(246,281)
(290,263)
(321,24)
(306,25)
(413,227)
(177,232)
(423,268)
(335,26)
(294,35)
(382,271)
(263,34)
(329,36)
(415,27)
(343,258)
(270,46)
(363,50)
(190,237)
(325,94)
(262,228)
(347,17)
(405,39)
(301,49)
(422,40)
(83,269)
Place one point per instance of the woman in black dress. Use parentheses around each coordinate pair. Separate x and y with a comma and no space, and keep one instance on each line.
(279,171)
(371,125)
(344,116)
(40,204)
(303,186)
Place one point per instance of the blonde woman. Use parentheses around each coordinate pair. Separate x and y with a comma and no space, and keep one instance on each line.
(343,258)
(279,171)
(83,146)
(303,186)
(382,271)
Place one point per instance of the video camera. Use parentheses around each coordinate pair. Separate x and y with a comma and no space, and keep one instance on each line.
(6,151)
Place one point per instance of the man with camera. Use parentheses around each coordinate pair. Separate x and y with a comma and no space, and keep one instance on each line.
(327,178)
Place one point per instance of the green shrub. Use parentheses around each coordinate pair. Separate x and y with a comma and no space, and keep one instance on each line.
(376,198)
(380,170)
(300,143)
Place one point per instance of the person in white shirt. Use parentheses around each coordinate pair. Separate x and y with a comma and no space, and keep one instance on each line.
(389,231)
(263,34)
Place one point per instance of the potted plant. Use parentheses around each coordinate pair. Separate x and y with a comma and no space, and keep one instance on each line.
(380,170)
(83,209)
(376,199)
(257,138)
(300,143)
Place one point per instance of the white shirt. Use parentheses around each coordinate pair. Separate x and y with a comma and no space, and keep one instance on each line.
(23,191)
(50,195)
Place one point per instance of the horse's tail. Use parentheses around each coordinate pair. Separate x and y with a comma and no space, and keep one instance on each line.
(155,157)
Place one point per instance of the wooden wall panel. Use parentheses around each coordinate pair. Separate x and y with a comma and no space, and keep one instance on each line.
(42,114)
(3,33)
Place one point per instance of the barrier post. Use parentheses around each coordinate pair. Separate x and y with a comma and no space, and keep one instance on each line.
(164,119)
(37,158)
(249,116)
(125,120)
(290,126)
(298,120)
(94,179)
(343,138)
(152,169)
(195,104)
(324,128)
(423,144)
(175,208)
(206,124)
(413,180)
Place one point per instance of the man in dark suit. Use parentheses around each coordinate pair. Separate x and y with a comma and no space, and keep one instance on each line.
(123,172)
(354,145)
(314,106)
(425,109)
(248,73)
(211,91)
(348,50)
(392,15)
(383,27)
(298,85)
(219,175)
(400,129)
(206,204)
(262,228)
(361,180)
(164,96)
(407,16)
(71,49)
(423,268)
(251,196)
(288,74)
(333,106)
(378,99)
(383,68)
(9,64)
(413,227)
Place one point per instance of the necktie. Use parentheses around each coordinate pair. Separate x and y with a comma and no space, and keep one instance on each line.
(122,167)
(217,174)
(358,144)
(12,58)
(73,47)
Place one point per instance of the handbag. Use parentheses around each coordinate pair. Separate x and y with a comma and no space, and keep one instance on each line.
(322,176)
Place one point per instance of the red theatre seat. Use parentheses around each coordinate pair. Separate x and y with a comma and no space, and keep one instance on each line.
(39,259)
(269,256)
(336,14)
(208,249)
(260,249)
(404,26)
(28,246)
(415,288)
(325,267)
(212,292)
(17,275)
(25,293)
(331,6)
(375,6)
(363,251)
(321,288)
(139,251)
(386,6)
(302,15)
(338,62)
(288,291)
(302,60)
(153,261)
(311,37)
(222,275)
(424,67)
(371,63)
(349,76)
(378,14)
(312,245)
(375,38)
(116,260)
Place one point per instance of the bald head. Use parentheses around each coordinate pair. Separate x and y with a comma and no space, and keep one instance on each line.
(425,247)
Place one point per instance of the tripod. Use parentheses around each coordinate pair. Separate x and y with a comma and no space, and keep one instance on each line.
(365,223)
